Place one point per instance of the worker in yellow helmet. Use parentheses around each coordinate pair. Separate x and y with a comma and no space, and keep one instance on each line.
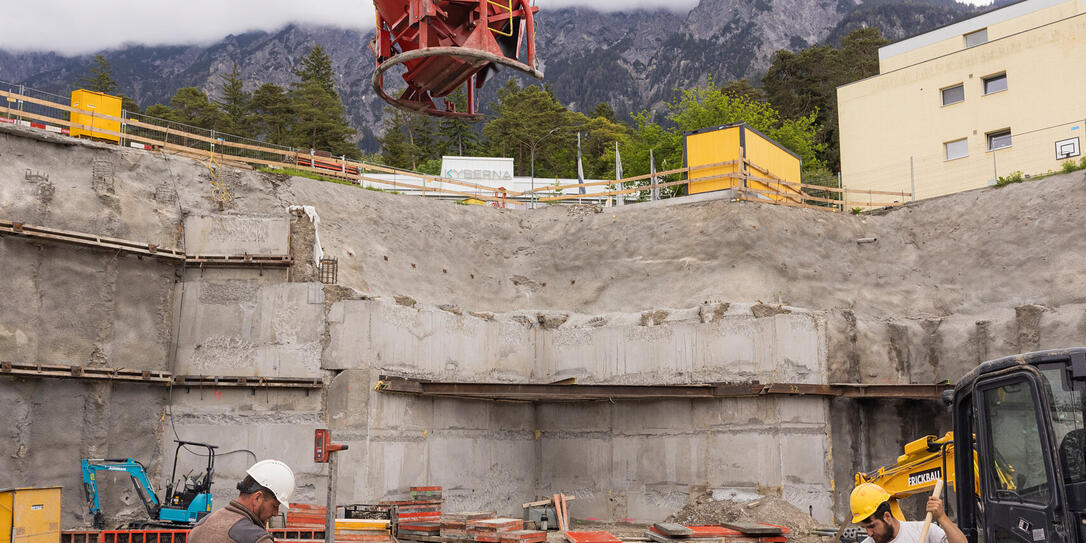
(871,510)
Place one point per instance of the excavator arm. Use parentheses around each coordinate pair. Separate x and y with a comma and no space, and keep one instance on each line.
(925,461)
(92,466)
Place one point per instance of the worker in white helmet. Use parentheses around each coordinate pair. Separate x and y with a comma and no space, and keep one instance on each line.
(267,486)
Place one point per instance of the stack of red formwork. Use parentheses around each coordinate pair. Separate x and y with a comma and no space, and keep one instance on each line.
(455,525)
(302,518)
(418,517)
(490,530)
(306,516)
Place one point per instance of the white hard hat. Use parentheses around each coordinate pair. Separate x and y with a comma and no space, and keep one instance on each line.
(275,476)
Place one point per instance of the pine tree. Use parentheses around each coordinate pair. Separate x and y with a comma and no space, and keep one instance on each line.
(235,104)
(100,78)
(271,110)
(191,106)
(458,136)
(320,121)
(396,149)
(317,66)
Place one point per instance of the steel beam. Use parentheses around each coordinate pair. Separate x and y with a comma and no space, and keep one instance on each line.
(85,372)
(160,378)
(140,249)
(558,392)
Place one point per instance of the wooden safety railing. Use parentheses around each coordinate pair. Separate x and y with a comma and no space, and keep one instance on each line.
(356,171)
(796,197)
(343,168)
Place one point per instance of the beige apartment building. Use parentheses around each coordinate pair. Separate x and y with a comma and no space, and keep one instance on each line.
(956,108)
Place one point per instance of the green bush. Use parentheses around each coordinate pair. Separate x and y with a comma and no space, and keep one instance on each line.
(857,210)
(1070,166)
(1015,177)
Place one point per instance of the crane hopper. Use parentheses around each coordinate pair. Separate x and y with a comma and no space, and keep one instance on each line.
(444,44)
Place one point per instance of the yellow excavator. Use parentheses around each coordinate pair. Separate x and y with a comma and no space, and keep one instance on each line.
(925,461)
(1023,418)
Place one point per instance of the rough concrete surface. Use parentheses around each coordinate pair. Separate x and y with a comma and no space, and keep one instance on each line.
(677,293)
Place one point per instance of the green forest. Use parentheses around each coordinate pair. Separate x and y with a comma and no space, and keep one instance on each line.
(795,104)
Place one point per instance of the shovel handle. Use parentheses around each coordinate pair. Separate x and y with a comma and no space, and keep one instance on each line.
(938,492)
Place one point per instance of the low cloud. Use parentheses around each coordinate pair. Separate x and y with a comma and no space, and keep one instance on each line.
(71,28)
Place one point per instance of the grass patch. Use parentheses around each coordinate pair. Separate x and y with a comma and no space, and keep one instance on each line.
(1068,166)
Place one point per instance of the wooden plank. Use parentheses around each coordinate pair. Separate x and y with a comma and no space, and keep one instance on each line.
(605,182)
(636,178)
(672,529)
(753,528)
(598,194)
(395,184)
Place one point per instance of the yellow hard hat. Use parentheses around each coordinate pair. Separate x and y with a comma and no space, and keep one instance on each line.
(865,499)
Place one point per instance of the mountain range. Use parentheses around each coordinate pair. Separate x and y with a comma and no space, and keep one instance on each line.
(633,60)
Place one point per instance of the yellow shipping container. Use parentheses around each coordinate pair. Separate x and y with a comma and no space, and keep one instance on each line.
(767,160)
(95,104)
(30,515)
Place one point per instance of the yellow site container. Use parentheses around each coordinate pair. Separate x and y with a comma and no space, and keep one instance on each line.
(94,105)
(767,161)
(30,515)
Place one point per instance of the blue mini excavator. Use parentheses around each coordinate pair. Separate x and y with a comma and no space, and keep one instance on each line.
(187,500)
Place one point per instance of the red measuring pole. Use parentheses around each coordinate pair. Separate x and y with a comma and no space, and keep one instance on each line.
(322,454)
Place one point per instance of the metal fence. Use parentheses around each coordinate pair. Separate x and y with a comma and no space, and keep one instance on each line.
(14,108)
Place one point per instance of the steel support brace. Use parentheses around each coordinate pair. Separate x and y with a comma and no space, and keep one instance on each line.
(558,392)
(161,378)
(140,249)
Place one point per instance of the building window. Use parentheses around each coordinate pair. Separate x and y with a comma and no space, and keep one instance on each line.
(973,39)
(995,83)
(956,149)
(999,139)
(953,95)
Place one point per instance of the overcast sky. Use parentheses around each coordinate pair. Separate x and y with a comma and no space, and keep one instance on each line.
(72,28)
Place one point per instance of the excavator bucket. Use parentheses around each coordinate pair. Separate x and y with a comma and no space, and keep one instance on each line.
(445,44)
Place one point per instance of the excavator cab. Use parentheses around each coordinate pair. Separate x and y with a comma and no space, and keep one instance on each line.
(1023,416)
(189,499)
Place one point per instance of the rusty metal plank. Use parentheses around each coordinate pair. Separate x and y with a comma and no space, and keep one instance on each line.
(227,381)
(84,372)
(139,248)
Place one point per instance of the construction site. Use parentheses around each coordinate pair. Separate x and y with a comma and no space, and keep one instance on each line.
(720,367)
(633,357)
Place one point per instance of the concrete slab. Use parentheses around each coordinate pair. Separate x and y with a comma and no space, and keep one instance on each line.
(249,329)
(237,235)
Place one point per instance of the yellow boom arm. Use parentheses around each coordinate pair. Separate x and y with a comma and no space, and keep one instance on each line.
(925,461)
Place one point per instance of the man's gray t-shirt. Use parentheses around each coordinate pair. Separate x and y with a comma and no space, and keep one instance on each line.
(909,532)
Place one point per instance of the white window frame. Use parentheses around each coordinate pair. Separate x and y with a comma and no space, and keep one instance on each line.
(942,95)
(946,148)
(994,77)
(988,137)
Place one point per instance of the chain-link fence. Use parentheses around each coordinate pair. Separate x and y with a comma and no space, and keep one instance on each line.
(975,161)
